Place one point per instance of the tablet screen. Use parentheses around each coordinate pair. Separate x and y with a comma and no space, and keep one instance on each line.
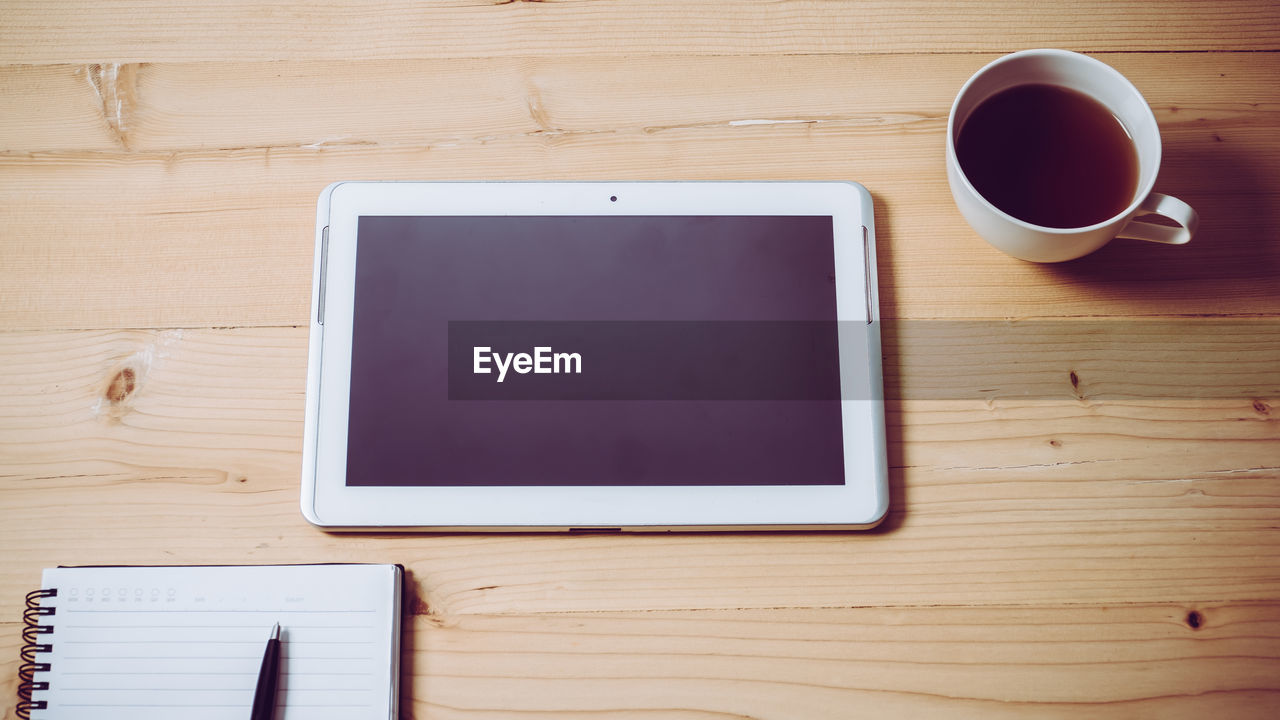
(594,350)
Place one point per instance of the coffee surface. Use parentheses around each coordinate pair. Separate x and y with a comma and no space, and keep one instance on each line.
(1050,156)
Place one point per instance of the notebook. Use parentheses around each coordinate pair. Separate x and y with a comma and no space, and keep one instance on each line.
(187,642)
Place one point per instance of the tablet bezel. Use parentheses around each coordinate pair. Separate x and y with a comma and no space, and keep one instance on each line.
(858,503)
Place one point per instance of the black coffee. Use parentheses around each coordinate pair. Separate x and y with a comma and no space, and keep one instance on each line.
(1050,156)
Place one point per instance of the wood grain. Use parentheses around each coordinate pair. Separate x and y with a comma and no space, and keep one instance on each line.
(195,207)
(1161,660)
(1128,661)
(1033,493)
(163,30)
(1085,475)
(177,107)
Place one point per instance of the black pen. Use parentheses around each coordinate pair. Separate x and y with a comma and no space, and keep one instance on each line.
(264,698)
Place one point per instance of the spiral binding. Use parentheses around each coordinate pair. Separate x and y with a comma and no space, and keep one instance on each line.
(31,646)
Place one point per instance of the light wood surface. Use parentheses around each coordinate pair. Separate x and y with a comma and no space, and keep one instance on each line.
(1086,502)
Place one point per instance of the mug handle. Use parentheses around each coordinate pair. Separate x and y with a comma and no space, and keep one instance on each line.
(1166,206)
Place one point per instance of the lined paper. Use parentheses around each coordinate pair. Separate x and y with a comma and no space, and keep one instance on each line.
(137,642)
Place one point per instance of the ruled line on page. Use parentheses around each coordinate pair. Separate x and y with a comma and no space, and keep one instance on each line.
(291,704)
(254,627)
(286,674)
(206,689)
(201,611)
(209,642)
(217,657)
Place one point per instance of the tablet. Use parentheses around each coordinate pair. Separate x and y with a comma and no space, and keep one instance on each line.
(594,356)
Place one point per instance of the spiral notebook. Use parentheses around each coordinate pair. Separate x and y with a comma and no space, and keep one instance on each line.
(187,642)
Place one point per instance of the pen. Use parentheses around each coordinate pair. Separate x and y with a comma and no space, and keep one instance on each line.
(264,698)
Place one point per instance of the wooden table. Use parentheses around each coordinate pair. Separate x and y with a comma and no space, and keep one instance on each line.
(1086,509)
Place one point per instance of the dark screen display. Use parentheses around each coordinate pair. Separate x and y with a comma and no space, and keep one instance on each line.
(657,310)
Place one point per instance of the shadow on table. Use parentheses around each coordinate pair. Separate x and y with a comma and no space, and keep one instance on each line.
(887,299)
(411,606)
(1237,248)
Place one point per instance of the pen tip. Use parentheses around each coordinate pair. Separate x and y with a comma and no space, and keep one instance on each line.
(275,632)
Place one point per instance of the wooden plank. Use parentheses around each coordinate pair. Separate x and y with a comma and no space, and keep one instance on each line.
(163,30)
(195,437)
(1128,661)
(51,105)
(1162,660)
(1086,360)
(176,107)
(207,218)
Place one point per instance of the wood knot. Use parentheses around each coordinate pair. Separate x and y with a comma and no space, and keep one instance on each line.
(119,393)
(1055,443)
(121,386)
(1261,407)
(1195,620)
(1074,379)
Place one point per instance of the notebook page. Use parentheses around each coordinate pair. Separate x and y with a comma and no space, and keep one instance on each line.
(187,642)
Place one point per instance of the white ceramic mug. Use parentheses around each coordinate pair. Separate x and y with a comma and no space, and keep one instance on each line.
(1103,83)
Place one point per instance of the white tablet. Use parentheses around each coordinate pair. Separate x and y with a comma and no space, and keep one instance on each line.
(598,356)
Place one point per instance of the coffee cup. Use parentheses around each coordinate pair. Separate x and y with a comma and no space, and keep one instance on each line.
(1038,172)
